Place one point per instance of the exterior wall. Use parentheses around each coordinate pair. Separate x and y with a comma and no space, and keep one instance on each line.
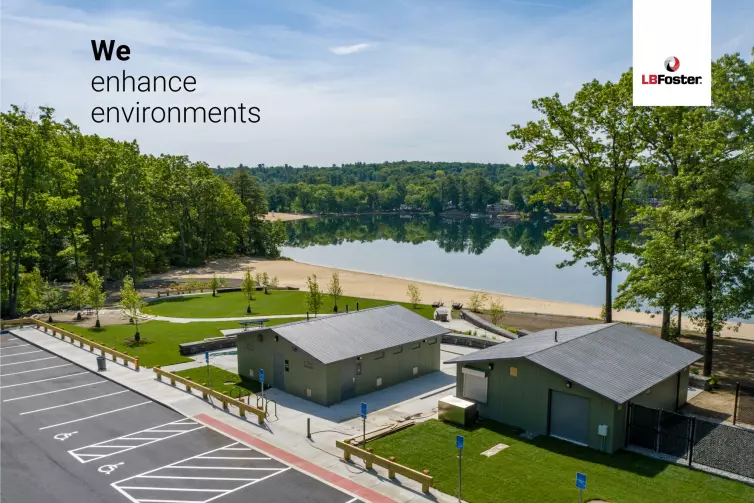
(253,355)
(663,394)
(523,401)
(324,380)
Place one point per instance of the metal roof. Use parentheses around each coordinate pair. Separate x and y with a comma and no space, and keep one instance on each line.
(357,333)
(614,360)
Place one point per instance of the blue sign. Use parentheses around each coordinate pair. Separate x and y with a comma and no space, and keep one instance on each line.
(206,357)
(363,410)
(459,441)
(581,480)
(261,375)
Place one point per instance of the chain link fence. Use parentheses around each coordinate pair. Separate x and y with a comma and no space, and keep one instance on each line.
(698,441)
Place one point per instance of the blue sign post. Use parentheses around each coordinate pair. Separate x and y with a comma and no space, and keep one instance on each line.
(459,446)
(581,484)
(364,422)
(261,381)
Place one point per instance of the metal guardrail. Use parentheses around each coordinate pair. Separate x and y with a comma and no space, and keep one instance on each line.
(206,392)
(55,331)
(424,478)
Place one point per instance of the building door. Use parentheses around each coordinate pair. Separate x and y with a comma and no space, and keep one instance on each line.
(278,368)
(569,417)
(347,379)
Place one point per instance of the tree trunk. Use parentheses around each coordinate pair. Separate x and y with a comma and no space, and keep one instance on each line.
(609,296)
(680,319)
(133,256)
(665,330)
(709,320)
(75,253)
(183,244)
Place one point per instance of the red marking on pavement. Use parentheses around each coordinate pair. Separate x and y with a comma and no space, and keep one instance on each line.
(295,461)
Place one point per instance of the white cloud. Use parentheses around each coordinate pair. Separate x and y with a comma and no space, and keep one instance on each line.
(349,49)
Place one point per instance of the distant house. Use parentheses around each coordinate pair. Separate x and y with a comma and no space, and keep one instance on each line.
(504,206)
(406,207)
(576,383)
(334,358)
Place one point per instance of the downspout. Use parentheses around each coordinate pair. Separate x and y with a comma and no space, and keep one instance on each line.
(677,390)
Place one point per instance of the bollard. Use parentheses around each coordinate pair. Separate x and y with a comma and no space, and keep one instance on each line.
(307,316)
(346,308)
(357,306)
(309,428)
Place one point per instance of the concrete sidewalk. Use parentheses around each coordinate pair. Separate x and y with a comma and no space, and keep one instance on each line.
(415,399)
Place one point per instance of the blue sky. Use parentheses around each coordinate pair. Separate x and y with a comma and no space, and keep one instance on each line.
(335,81)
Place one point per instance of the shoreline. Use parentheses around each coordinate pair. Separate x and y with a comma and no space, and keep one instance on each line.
(378,286)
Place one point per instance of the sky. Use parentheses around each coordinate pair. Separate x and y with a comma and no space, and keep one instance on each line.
(335,81)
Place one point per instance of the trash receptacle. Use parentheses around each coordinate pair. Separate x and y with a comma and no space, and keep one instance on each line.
(101,365)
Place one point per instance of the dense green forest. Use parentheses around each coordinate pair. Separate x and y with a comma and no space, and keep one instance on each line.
(75,203)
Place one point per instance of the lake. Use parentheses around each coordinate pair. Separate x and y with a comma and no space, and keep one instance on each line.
(510,258)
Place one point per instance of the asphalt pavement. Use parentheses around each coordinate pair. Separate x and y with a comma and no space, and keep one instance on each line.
(70,435)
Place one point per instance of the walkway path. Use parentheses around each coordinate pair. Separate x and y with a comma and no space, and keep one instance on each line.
(173,319)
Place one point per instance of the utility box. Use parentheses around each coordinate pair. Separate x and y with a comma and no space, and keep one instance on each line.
(452,409)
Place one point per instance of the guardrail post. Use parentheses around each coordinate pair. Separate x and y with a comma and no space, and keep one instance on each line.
(368,459)
(172,381)
(241,411)
(205,395)
(391,468)
(425,484)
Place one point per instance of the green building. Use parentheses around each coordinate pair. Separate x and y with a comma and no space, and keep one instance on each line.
(575,383)
(334,358)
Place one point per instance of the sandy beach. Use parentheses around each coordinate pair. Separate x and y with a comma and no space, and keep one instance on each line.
(285,217)
(361,284)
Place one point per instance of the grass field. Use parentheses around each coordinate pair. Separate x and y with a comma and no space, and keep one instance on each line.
(220,380)
(159,339)
(545,469)
(231,304)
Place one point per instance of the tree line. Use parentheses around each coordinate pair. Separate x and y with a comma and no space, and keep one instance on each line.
(697,251)
(74,204)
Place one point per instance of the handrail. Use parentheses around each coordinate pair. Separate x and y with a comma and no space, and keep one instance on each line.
(206,392)
(76,338)
(424,478)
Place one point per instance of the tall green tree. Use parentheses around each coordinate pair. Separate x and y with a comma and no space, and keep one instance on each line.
(590,148)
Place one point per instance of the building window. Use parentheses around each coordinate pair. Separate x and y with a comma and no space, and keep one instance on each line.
(308,365)
(287,367)
(416,345)
(379,355)
(398,350)
(514,371)
(433,340)
(358,369)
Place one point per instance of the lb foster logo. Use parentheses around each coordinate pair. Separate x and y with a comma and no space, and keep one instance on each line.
(672,64)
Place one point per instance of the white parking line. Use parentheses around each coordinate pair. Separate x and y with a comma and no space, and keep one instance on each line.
(237,449)
(352,500)
(153,478)
(15,345)
(95,415)
(53,391)
(37,370)
(80,452)
(28,361)
(227,457)
(24,353)
(72,403)
(42,380)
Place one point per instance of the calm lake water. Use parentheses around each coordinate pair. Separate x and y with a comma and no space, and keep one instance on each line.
(510,258)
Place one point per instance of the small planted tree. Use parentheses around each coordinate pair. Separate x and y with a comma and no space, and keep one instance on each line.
(314,295)
(334,289)
(477,301)
(77,296)
(248,287)
(496,310)
(96,296)
(216,283)
(131,301)
(414,294)
(51,298)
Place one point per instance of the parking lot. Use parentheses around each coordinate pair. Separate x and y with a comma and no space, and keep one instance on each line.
(70,434)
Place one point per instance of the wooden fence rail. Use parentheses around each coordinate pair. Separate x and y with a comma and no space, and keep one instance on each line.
(424,478)
(56,331)
(206,392)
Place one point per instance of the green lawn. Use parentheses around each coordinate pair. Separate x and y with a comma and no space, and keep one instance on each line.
(160,339)
(231,304)
(545,469)
(221,380)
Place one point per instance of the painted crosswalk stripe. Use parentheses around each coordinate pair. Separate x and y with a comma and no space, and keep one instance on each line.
(92,416)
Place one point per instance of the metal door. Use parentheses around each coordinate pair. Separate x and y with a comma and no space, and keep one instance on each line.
(347,379)
(569,417)
(278,369)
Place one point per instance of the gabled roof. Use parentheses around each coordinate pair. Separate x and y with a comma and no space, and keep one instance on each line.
(357,333)
(614,360)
